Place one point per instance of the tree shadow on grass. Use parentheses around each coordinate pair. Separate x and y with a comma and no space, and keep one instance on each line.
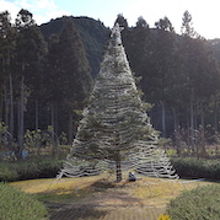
(102,185)
(91,202)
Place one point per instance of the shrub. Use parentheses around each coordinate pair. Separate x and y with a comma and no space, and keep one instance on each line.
(7,174)
(202,203)
(23,170)
(193,168)
(49,168)
(16,205)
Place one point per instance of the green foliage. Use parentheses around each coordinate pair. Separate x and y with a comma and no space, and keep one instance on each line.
(164,24)
(3,134)
(164,141)
(94,41)
(63,138)
(22,170)
(202,203)
(33,138)
(16,205)
(187,29)
(169,67)
(193,168)
(7,173)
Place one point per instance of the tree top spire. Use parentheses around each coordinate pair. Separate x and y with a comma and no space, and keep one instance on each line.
(116,35)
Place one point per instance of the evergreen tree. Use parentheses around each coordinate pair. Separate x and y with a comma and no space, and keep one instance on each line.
(164,24)
(187,26)
(115,127)
(69,76)
(122,21)
(75,71)
(141,23)
(163,68)
(30,51)
(7,48)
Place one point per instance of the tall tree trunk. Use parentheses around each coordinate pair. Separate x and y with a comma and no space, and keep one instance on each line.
(163,118)
(177,134)
(6,101)
(196,116)
(21,118)
(1,108)
(118,168)
(175,120)
(188,133)
(56,127)
(70,127)
(11,124)
(52,121)
(53,124)
(202,132)
(52,114)
(36,115)
(215,115)
(192,121)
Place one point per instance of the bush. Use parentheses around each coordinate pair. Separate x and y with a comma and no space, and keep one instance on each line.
(23,170)
(202,203)
(7,174)
(16,205)
(193,168)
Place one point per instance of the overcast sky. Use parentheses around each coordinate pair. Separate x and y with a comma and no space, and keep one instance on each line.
(205,13)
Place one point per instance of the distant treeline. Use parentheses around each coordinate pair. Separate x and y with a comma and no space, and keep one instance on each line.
(180,77)
(45,79)
(47,72)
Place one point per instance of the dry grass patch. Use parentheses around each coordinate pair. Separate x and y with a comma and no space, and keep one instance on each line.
(63,186)
(158,192)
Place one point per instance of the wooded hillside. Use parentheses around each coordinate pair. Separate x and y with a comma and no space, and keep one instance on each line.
(47,72)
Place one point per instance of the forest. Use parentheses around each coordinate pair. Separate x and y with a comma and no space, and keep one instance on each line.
(131,112)
(47,73)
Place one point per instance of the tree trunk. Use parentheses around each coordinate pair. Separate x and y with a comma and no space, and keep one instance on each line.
(53,124)
(1,107)
(202,132)
(215,116)
(192,121)
(36,115)
(6,105)
(56,127)
(188,140)
(11,124)
(177,132)
(163,118)
(70,127)
(175,123)
(118,168)
(21,118)
(196,116)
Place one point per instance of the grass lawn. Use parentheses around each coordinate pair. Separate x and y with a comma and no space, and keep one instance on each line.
(90,198)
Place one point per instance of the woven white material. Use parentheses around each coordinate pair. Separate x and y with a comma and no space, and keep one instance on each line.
(115,126)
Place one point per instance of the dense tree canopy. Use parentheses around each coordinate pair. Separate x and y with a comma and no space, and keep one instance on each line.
(45,73)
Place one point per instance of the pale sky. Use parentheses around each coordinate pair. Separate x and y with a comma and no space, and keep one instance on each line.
(205,13)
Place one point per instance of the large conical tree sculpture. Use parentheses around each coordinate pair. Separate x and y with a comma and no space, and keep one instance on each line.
(115,130)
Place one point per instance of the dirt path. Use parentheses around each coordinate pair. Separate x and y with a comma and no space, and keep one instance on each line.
(113,204)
